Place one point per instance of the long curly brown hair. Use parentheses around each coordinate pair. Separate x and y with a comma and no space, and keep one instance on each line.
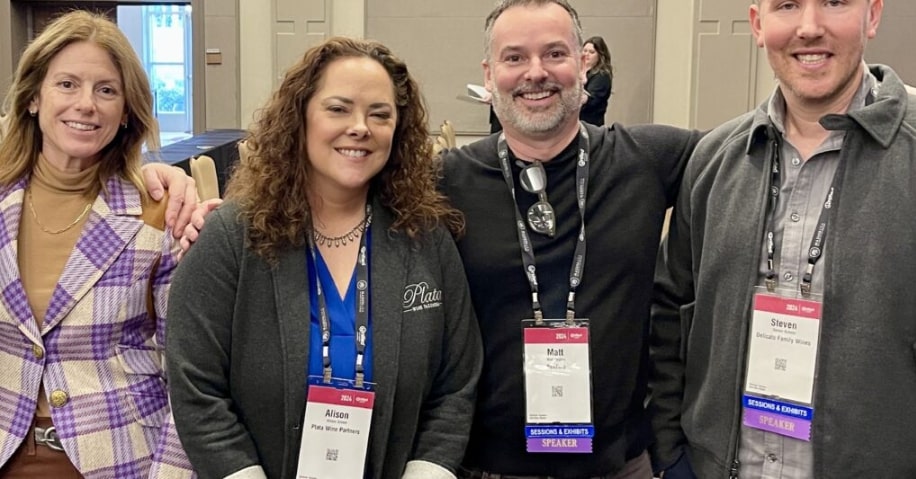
(270,184)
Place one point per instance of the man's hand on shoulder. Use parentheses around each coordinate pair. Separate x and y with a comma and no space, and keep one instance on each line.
(182,193)
(198,217)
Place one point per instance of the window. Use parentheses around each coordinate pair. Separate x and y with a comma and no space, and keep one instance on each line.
(161,35)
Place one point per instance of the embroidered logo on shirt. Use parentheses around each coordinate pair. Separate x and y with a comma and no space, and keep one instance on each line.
(420,296)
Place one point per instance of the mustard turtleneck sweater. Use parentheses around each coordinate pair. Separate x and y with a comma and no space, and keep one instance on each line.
(54,211)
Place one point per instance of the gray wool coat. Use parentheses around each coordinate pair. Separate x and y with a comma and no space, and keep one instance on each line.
(866,384)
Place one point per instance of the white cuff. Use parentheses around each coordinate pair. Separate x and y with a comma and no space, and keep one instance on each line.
(250,472)
(426,470)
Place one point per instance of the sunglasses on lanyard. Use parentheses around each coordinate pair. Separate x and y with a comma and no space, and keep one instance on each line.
(541,218)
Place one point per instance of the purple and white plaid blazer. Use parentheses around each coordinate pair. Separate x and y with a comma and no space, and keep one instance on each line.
(97,348)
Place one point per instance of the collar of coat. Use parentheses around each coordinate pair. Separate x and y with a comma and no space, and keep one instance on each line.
(880,119)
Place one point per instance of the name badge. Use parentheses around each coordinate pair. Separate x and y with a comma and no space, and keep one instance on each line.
(558,401)
(781,366)
(335,431)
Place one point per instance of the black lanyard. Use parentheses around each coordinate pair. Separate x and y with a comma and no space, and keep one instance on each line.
(528,260)
(362,308)
(816,248)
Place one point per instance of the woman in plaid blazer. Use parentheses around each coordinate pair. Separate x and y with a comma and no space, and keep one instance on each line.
(85,265)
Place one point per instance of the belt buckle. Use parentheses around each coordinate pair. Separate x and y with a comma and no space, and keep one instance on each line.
(48,437)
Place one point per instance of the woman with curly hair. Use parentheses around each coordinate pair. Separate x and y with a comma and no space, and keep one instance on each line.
(322,324)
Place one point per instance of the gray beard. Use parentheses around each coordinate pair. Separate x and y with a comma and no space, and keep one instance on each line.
(525,121)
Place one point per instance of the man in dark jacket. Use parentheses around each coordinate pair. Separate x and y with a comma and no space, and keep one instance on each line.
(533,198)
(783,336)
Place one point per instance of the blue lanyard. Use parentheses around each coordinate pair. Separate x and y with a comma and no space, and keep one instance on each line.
(362,309)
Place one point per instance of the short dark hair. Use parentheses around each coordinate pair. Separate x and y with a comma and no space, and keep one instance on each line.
(504,5)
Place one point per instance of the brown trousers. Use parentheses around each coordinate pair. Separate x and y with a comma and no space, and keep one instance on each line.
(32,461)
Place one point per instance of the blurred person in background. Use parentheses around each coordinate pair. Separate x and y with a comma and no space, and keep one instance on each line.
(598,80)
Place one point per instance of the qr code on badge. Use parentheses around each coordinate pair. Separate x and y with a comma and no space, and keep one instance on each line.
(331,455)
(780,364)
(556,391)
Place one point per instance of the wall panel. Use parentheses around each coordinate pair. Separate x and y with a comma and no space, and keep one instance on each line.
(298,25)
(896,39)
(725,63)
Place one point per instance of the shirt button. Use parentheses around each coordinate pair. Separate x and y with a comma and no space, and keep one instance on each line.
(37,351)
(772,457)
(59,398)
(796,161)
(795,217)
(788,276)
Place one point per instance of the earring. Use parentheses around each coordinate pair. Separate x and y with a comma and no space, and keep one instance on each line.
(33,112)
(124,125)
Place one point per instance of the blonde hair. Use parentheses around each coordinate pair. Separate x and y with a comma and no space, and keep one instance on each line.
(20,146)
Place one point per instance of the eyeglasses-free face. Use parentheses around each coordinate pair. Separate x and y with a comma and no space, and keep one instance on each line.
(541,217)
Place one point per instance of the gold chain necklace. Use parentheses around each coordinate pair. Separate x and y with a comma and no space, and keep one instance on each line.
(55,232)
(342,240)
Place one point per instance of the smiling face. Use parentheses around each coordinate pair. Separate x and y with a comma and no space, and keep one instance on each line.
(80,106)
(534,70)
(816,47)
(350,124)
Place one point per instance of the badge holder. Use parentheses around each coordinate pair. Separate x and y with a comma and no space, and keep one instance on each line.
(781,365)
(558,399)
(335,430)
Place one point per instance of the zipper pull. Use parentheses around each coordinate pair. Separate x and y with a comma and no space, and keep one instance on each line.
(733,471)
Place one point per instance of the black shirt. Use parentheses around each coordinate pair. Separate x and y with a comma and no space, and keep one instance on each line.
(633,177)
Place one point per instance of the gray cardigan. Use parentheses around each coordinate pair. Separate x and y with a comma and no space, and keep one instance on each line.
(238,353)
(863,425)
